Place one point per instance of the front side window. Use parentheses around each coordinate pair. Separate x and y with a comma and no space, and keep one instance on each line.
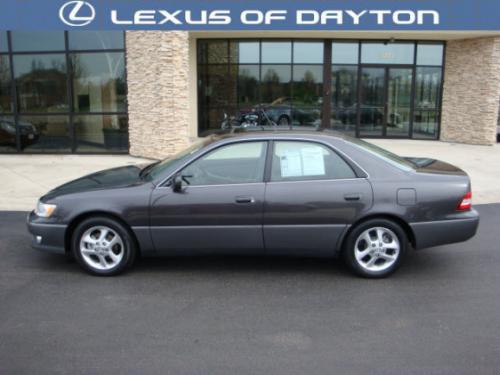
(232,164)
(299,161)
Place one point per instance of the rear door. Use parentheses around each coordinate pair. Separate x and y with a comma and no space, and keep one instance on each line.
(311,196)
(220,207)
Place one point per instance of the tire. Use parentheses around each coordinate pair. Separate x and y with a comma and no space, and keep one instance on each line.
(103,246)
(284,120)
(375,248)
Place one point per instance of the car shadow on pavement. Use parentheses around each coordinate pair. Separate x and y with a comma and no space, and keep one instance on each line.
(416,264)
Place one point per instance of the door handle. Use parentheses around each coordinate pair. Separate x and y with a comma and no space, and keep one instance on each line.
(352,197)
(244,199)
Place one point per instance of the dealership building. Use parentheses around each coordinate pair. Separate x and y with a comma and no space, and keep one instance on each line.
(151,93)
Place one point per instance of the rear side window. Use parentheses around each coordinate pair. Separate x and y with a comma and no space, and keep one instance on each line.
(300,161)
(232,164)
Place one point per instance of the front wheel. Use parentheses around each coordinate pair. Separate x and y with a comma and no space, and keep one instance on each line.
(102,246)
(375,248)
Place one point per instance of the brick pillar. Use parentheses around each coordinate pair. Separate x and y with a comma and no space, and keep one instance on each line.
(158,105)
(471,91)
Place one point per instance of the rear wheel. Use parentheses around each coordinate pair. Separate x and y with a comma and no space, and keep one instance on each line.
(375,248)
(103,246)
(284,120)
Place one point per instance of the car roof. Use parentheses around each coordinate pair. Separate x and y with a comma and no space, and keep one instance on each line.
(325,134)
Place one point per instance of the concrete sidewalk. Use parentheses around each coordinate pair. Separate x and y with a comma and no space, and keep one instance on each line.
(24,178)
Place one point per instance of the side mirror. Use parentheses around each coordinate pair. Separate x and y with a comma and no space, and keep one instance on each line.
(177,183)
(179,180)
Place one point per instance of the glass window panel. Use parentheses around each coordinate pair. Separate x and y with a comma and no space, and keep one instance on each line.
(218,85)
(248,85)
(307,95)
(245,52)
(425,123)
(98,133)
(37,40)
(308,52)
(81,40)
(275,83)
(7,134)
(6,104)
(44,133)
(387,53)
(399,101)
(4,47)
(276,52)
(427,88)
(372,101)
(299,161)
(344,98)
(99,82)
(213,52)
(41,83)
(429,54)
(345,53)
(232,164)
(212,120)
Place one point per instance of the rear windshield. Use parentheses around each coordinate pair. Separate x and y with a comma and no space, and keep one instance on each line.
(388,156)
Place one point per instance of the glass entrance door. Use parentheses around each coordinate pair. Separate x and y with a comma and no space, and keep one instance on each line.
(385,102)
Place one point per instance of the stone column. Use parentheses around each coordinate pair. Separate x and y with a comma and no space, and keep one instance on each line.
(158,97)
(471,91)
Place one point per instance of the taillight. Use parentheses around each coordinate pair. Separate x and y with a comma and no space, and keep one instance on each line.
(466,202)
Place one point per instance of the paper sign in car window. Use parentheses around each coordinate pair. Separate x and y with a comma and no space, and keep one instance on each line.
(291,164)
(313,162)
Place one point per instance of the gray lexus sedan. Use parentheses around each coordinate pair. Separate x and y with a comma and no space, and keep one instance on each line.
(315,193)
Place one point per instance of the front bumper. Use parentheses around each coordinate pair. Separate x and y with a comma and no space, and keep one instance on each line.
(48,237)
(436,233)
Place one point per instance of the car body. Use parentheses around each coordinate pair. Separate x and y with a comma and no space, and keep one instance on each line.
(272,193)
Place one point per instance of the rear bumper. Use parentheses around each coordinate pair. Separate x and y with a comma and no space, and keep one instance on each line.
(435,233)
(46,237)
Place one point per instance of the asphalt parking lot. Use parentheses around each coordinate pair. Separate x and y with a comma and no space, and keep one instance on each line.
(440,314)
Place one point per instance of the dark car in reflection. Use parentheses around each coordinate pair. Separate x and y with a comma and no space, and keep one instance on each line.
(368,115)
(28,133)
(315,193)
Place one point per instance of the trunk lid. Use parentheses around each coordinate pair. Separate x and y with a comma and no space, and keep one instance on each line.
(427,165)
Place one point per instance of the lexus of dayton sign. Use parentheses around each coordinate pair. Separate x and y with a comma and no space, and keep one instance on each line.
(256,15)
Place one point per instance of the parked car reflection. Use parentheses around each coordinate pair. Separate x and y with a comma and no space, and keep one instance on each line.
(28,133)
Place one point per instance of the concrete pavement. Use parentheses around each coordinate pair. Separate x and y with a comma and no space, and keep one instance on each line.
(24,178)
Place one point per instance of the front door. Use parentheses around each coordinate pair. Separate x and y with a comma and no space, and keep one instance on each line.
(220,206)
(385,101)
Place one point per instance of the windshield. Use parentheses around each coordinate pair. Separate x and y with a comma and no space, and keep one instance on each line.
(394,159)
(157,169)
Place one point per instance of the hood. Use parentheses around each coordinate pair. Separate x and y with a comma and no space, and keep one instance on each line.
(106,179)
(426,165)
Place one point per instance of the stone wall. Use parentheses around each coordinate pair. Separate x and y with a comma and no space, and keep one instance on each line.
(471,91)
(158,90)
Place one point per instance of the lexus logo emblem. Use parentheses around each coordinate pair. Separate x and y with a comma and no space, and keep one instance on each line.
(77,13)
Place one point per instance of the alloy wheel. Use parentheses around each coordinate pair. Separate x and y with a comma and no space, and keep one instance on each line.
(101,247)
(376,249)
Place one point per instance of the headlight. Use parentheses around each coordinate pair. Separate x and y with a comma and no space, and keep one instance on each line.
(44,209)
